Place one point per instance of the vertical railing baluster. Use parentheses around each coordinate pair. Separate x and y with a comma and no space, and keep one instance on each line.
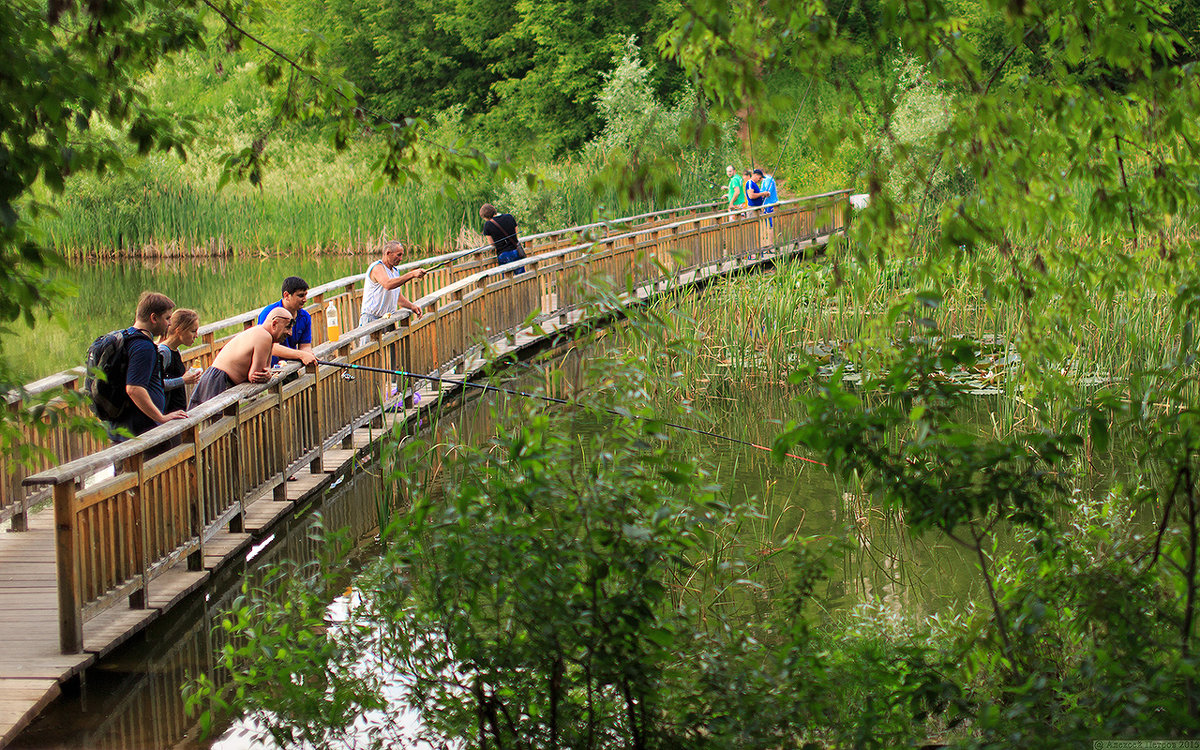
(141,528)
(70,603)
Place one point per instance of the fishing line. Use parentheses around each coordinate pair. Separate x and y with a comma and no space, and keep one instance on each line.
(436,266)
(554,400)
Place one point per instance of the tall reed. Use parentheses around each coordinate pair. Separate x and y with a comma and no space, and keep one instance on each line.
(835,311)
(314,200)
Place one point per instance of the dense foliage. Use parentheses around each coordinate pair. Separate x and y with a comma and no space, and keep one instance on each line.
(529,72)
(1036,163)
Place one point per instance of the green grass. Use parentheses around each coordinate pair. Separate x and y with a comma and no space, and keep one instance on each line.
(758,329)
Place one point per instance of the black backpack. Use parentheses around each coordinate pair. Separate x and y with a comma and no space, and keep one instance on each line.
(104,384)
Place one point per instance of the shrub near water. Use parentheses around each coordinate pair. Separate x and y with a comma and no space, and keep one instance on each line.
(589,589)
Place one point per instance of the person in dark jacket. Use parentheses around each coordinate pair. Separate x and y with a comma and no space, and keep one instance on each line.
(182,331)
(144,376)
(501,229)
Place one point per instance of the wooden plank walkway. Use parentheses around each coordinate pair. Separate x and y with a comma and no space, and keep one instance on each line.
(32,668)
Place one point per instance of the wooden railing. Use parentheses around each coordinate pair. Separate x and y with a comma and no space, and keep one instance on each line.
(115,537)
(49,443)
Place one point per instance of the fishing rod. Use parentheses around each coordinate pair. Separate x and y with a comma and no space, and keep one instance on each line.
(451,259)
(553,400)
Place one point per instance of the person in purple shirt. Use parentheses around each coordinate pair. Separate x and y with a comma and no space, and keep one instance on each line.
(298,343)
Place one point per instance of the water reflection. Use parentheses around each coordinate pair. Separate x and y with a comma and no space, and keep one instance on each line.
(132,699)
(106,294)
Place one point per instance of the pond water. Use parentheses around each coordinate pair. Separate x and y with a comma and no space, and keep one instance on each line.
(105,295)
(132,699)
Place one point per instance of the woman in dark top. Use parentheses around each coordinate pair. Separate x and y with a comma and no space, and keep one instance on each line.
(501,229)
(182,331)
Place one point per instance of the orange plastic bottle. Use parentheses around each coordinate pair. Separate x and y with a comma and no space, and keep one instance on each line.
(333,331)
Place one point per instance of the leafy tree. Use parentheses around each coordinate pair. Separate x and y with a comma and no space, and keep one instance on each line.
(72,96)
(528,71)
(401,55)
(1069,134)
(1072,131)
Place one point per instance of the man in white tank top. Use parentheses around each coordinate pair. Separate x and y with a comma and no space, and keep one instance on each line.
(381,288)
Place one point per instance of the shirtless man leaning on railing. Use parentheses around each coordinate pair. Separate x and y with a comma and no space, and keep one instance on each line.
(246,357)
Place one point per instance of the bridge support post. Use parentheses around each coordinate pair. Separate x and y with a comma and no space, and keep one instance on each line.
(70,618)
(237,522)
(319,323)
(195,561)
(141,529)
(11,476)
(380,382)
(316,466)
(279,492)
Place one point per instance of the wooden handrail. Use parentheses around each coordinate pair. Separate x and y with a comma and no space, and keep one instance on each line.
(179,483)
(60,379)
(343,294)
(87,465)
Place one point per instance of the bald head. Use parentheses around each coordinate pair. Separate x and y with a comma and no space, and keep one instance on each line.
(278,322)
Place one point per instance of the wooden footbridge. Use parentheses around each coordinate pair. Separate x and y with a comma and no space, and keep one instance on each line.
(103,539)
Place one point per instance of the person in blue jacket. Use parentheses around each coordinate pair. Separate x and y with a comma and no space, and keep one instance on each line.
(766,184)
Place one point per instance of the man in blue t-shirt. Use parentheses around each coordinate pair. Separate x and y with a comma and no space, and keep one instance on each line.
(754,196)
(144,374)
(298,343)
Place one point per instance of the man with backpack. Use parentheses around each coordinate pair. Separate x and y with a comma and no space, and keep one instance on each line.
(144,394)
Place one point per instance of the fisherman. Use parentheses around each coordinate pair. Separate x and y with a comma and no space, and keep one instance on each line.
(502,231)
(754,198)
(736,190)
(245,358)
(769,197)
(381,287)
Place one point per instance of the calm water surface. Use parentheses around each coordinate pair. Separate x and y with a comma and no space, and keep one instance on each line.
(133,699)
(105,296)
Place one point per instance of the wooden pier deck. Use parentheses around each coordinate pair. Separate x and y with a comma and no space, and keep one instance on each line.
(32,669)
(42,617)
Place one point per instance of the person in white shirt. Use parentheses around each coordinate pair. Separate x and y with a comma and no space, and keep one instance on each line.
(381,287)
